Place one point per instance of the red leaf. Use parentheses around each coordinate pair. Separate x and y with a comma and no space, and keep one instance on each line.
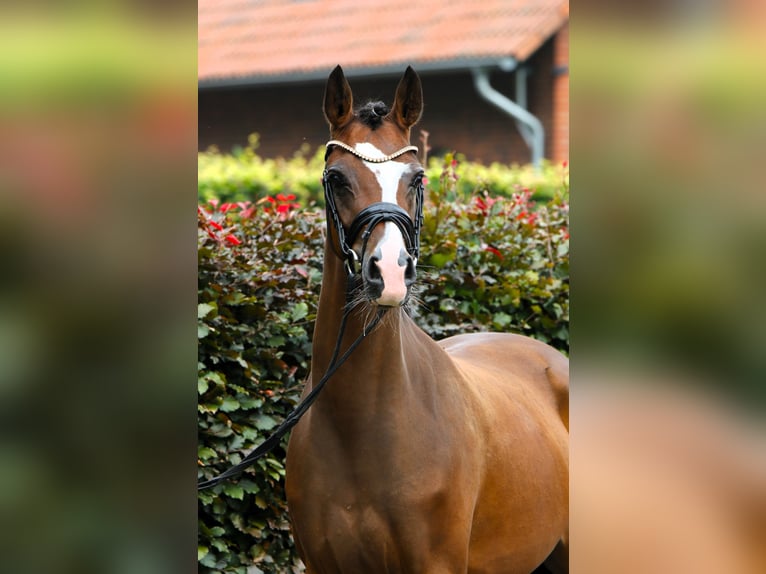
(231,240)
(494,251)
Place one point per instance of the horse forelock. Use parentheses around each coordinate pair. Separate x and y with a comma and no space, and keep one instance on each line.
(372,113)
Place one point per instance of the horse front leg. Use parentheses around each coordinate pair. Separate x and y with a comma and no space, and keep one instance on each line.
(557,561)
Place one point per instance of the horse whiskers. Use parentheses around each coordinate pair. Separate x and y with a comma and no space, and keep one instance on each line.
(414,302)
(359,305)
(391,318)
(357,298)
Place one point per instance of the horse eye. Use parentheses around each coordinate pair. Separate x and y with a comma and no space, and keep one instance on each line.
(338,184)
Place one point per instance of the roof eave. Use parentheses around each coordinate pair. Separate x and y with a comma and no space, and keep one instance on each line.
(505,63)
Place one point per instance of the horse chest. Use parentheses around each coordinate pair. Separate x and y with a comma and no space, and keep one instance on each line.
(381,506)
(374,528)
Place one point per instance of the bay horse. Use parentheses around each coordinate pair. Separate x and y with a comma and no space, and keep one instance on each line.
(419,456)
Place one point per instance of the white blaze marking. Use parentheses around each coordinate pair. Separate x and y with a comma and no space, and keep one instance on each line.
(388,175)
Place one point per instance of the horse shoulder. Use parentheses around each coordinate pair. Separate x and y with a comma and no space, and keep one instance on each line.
(530,365)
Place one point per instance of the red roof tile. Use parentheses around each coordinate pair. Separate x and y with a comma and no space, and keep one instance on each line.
(262,39)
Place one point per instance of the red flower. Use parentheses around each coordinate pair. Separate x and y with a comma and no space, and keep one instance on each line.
(231,240)
(215,225)
(226,207)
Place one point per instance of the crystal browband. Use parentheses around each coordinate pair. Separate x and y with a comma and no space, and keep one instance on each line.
(365,157)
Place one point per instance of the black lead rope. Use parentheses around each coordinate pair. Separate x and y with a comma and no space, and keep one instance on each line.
(293,418)
(368,218)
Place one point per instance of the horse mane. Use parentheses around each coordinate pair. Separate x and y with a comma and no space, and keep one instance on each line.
(372,113)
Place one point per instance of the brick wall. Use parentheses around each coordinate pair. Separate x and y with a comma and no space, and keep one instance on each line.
(455,116)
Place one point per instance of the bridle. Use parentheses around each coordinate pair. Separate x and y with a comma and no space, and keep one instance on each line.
(372,215)
(368,218)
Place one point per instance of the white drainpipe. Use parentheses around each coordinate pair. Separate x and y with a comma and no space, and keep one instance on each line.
(530,127)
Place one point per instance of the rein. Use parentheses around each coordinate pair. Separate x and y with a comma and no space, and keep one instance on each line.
(293,418)
(369,217)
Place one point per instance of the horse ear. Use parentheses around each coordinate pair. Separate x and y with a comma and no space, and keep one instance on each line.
(338,101)
(408,103)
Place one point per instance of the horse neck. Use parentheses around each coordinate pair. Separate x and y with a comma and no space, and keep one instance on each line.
(378,360)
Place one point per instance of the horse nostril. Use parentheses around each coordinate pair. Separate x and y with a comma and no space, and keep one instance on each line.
(373,272)
(409,272)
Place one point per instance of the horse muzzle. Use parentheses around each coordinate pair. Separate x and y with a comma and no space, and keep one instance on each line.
(388,272)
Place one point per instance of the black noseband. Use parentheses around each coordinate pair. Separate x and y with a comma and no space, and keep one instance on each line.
(377,213)
(369,218)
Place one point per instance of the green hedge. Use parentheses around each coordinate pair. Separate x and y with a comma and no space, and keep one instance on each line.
(245,176)
(488,263)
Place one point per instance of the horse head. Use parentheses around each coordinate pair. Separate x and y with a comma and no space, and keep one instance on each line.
(374,187)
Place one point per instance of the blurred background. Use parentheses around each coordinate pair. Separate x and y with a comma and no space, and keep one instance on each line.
(97,296)
(668,318)
(669,142)
(98,156)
